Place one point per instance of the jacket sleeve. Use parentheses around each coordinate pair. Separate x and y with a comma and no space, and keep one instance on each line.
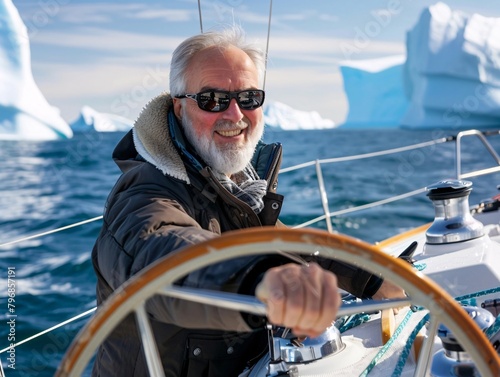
(141,225)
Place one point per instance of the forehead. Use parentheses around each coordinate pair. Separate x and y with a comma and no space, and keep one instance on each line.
(228,68)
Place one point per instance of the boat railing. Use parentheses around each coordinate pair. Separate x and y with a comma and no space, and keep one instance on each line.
(487,145)
(327,215)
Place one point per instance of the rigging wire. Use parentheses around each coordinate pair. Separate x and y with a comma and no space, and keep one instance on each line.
(201,20)
(267,43)
(267,40)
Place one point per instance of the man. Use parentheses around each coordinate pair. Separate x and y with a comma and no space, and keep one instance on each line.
(193,168)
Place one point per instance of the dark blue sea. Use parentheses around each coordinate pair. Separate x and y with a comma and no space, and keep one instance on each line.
(48,185)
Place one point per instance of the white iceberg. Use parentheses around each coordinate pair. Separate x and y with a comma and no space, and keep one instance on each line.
(452,70)
(279,115)
(25,114)
(92,120)
(449,79)
(375,92)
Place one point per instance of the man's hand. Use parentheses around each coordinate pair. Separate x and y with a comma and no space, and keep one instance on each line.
(302,298)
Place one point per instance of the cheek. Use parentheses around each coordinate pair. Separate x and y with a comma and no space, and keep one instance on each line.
(203,123)
(255,117)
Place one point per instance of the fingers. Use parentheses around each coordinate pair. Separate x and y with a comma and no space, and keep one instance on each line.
(305,299)
(271,291)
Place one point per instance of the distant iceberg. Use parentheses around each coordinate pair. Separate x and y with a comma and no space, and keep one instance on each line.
(91,120)
(279,115)
(25,114)
(375,91)
(449,79)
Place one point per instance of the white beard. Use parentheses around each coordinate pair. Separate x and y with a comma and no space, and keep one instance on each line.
(231,158)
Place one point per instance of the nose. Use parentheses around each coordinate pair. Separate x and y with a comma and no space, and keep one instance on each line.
(233,112)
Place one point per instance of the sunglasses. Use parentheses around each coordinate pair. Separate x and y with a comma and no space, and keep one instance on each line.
(216,101)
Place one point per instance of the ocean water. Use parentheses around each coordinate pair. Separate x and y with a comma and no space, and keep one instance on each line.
(48,185)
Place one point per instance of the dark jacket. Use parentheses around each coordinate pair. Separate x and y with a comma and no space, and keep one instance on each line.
(166,200)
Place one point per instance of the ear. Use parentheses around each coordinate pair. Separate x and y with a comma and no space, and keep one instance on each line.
(177,107)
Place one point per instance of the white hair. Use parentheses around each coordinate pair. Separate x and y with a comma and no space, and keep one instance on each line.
(182,55)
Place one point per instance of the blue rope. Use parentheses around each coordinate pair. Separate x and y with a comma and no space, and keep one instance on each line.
(389,343)
(420,266)
(468,299)
(406,350)
(352,321)
(493,329)
(478,294)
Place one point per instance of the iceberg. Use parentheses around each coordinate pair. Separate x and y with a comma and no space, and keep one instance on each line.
(25,114)
(452,71)
(279,115)
(450,77)
(92,120)
(375,92)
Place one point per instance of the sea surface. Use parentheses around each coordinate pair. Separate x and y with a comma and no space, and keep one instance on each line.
(49,185)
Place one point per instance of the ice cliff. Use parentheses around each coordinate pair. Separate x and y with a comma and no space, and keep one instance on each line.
(375,92)
(25,114)
(449,79)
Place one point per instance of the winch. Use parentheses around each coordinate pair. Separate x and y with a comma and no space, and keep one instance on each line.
(285,351)
(452,360)
(453,221)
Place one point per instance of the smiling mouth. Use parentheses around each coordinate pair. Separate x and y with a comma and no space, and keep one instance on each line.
(230,133)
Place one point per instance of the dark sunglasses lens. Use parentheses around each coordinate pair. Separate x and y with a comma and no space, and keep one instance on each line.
(219,101)
(251,99)
(213,101)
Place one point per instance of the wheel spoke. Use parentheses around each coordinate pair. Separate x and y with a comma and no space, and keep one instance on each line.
(226,300)
(250,304)
(151,353)
(426,353)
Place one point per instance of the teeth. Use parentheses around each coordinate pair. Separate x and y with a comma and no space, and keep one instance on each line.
(229,133)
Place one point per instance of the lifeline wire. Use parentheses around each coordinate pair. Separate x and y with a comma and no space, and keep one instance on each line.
(52,231)
(366,155)
(50,329)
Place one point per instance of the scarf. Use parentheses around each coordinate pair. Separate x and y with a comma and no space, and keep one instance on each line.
(246,186)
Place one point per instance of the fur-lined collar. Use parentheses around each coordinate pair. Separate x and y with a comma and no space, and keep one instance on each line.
(153,141)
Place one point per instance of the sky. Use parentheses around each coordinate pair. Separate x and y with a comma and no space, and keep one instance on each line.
(114,56)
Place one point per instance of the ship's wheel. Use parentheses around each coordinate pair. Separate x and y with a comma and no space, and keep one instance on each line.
(158,279)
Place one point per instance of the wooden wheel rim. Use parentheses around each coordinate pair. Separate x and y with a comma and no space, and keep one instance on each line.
(256,241)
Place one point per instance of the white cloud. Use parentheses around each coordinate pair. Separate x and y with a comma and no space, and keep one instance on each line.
(171,15)
(108,12)
(328,17)
(114,88)
(297,48)
(126,43)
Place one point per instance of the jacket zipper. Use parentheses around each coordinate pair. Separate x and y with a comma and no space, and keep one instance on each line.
(272,173)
